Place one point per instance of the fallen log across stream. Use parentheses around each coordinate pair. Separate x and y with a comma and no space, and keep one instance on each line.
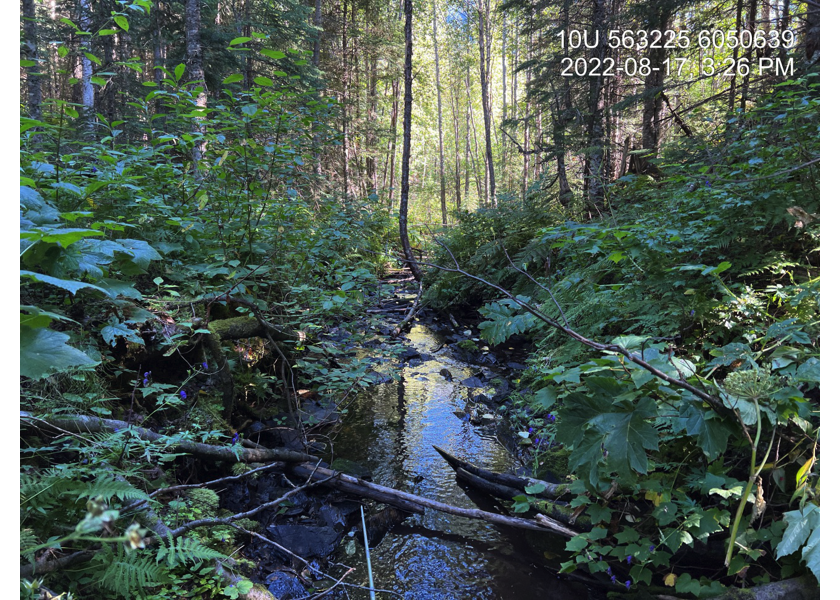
(502,485)
(417,504)
(80,424)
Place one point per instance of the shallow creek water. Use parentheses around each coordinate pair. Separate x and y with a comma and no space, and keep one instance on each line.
(390,429)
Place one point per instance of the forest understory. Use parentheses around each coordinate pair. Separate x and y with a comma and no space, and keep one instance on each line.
(528,288)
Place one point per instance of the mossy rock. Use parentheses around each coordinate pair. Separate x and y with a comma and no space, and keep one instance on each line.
(555,463)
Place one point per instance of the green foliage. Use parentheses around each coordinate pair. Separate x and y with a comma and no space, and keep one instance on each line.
(803,533)
(503,321)
(710,281)
(183,550)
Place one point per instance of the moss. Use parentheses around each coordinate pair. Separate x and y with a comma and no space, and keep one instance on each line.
(468,345)
(554,462)
(204,500)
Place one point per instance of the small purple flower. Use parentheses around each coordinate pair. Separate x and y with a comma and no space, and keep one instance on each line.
(651,548)
(204,366)
(612,578)
(708,185)
(609,571)
(235,438)
(146,376)
(551,418)
(94,169)
(530,430)
(629,559)
(627,585)
(183,394)
(692,312)
(537,441)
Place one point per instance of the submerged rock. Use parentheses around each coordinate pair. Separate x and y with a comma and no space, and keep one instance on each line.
(285,586)
(304,540)
(472,382)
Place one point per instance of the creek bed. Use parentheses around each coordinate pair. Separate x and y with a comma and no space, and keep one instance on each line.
(390,429)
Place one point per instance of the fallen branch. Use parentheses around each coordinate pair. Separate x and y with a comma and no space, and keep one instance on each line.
(565,327)
(85,424)
(410,502)
(56,564)
(552,490)
(414,309)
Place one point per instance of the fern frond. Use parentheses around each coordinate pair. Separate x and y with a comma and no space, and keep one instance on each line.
(110,487)
(184,549)
(128,573)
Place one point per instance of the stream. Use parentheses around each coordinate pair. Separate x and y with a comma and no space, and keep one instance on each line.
(390,429)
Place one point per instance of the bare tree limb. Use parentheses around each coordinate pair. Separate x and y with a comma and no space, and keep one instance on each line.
(714,402)
(85,424)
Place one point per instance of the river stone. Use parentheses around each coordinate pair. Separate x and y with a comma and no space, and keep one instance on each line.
(409,353)
(285,586)
(304,540)
(415,362)
(516,365)
(472,382)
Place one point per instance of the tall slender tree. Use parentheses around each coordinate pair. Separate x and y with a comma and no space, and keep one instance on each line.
(484,78)
(195,63)
(407,100)
(439,116)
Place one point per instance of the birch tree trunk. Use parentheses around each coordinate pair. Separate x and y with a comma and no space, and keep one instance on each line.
(406,244)
(439,116)
(85,22)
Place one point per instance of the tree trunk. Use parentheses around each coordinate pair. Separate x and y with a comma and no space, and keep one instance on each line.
(455,104)
(484,75)
(467,147)
(345,99)
(439,116)
(732,82)
(504,93)
(30,52)
(526,140)
(593,169)
(406,244)
(316,44)
(85,23)
(811,39)
(475,144)
(158,44)
(370,140)
(751,26)
(195,64)
(652,112)
(392,142)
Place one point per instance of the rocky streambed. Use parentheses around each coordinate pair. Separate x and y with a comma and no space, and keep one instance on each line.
(387,435)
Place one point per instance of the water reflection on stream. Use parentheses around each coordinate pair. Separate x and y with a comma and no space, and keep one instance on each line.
(391,429)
